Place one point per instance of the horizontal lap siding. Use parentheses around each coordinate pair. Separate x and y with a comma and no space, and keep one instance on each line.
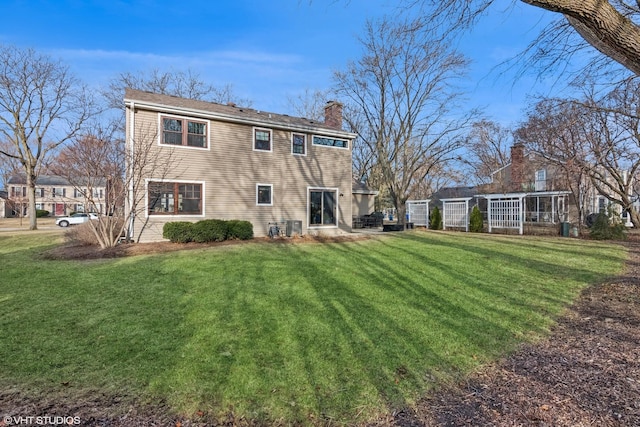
(231,169)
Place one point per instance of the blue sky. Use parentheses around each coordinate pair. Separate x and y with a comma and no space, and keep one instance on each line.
(267,50)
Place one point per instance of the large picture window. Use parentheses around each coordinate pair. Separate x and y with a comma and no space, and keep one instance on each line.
(323,207)
(180,131)
(175,198)
(262,139)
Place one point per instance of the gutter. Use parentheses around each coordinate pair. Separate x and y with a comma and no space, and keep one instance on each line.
(131,159)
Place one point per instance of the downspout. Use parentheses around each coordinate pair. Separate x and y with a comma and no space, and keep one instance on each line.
(131,201)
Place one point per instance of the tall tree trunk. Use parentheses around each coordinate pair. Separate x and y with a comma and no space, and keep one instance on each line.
(31,197)
(634,216)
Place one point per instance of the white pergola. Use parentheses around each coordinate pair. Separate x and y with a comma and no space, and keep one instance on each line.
(455,213)
(509,210)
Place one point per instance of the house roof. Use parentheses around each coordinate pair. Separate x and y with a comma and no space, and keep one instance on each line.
(4,194)
(48,180)
(229,112)
(455,193)
(358,187)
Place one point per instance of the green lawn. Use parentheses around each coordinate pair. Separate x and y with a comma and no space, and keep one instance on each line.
(300,332)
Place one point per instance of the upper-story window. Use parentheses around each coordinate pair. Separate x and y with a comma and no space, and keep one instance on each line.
(181,131)
(262,139)
(541,180)
(299,143)
(18,191)
(59,192)
(330,142)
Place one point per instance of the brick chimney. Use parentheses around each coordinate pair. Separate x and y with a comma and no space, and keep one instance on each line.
(517,167)
(333,115)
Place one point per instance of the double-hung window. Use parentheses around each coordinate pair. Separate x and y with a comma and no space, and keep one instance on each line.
(19,191)
(299,143)
(264,194)
(174,198)
(541,180)
(262,139)
(323,207)
(182,131)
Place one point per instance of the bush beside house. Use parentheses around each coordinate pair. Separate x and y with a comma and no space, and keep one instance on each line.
(208,230)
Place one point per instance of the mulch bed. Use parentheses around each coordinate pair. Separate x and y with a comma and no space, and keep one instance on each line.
(586,373)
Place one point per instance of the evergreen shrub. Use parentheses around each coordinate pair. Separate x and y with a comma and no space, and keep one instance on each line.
(608,227)
(178,231)
(209,230)
(435,222)
(239,230)
(476,223)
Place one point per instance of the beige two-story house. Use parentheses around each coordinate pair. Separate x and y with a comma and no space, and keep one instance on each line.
(199,160)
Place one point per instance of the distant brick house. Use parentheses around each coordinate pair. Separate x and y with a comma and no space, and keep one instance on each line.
(230,162)
(56,195)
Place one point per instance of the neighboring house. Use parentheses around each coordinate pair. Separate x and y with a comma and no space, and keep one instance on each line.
(527,191)
(228,162)
(545,182)
(537,187)
(5,205)
(56,195)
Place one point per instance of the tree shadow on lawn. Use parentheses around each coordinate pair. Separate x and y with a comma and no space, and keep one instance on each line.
(533,270)
(357,343)
(368,342)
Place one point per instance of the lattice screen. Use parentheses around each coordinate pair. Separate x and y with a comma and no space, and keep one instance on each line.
(418,211)
(455,214)
(505,213)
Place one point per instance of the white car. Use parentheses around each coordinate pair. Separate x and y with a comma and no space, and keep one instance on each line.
(76,218)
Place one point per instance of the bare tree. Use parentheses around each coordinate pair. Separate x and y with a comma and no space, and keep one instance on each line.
(599,136)
(184,84)
(488,144)
(9,166)
(613,139)
(42,106)
(404,88)
(610,26)
(101,159)
(311,103)
(554,131)
(94,161)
